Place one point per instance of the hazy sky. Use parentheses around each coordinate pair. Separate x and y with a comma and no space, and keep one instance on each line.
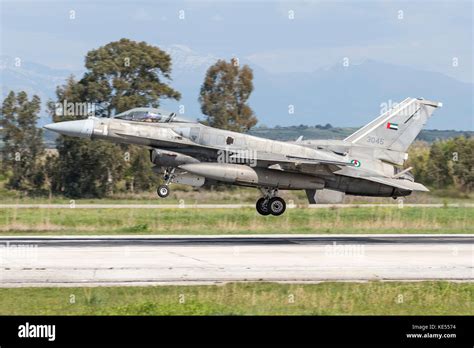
(430,35)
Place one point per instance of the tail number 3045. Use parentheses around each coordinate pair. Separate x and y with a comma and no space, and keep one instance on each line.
(375,140)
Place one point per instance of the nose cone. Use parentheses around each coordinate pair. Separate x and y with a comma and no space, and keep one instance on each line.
(79,128)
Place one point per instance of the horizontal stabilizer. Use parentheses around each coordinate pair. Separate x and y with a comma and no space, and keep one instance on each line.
(398,183)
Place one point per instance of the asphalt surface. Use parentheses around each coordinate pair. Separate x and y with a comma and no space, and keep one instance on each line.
(153,260)
(210,240)
(215,206)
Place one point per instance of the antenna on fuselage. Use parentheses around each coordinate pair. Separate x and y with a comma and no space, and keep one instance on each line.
(171,117)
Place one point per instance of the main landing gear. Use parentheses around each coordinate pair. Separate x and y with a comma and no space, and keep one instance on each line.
(163,190)
(270,203)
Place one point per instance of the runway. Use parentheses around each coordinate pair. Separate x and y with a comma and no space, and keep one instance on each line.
(182,260)
(221,206)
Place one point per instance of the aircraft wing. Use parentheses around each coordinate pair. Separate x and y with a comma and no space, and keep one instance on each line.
(299,164)
(263,159)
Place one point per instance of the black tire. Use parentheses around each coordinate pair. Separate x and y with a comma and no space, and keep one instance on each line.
(163,191)
(262,208)
(276,206)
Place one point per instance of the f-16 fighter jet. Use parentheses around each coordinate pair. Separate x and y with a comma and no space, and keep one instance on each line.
(366,163)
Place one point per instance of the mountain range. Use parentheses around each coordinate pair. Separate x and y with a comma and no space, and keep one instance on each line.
(340,95)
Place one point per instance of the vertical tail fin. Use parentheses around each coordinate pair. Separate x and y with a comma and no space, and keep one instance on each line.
(397,128)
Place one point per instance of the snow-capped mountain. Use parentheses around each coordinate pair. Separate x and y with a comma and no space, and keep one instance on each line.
(186,60)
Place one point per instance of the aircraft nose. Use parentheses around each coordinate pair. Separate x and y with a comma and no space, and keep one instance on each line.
(78,128)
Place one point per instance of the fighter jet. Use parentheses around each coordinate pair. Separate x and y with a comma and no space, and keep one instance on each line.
(366,163)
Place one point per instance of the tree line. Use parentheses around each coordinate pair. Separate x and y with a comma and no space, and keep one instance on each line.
(445,164)
(119,76)
(125,74)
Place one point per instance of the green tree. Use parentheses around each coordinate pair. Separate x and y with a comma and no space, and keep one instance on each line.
(81,168)
(120,75)
(224,96)
(125,74)
(438,168)
(23,148)
(418,157)
(462,155)
(444,164)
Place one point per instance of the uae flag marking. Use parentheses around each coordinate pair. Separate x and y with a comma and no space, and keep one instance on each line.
(393,126)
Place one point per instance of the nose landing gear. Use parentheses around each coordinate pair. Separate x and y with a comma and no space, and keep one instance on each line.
(163,190)
(270,203)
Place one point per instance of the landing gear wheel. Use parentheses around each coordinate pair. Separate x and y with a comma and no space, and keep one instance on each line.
(262,206)
(163,191)
(276,206)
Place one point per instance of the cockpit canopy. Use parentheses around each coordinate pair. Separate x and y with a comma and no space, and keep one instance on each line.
(151,115)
